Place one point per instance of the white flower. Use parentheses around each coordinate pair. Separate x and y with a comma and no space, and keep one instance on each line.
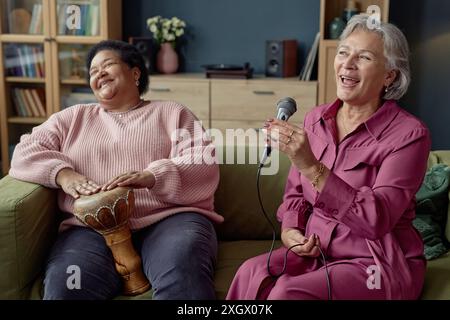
(166,30)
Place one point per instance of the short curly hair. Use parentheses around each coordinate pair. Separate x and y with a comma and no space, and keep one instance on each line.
(127,53)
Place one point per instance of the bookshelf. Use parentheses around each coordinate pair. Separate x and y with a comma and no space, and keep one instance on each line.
(329,9)
(43,47)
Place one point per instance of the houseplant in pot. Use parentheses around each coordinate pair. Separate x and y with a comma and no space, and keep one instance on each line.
(165,32)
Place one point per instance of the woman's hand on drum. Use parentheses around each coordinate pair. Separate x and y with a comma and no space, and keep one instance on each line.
(76,184)
(309,247)
(132,179)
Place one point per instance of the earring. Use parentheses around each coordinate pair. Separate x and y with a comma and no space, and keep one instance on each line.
(137,83)
(387,89)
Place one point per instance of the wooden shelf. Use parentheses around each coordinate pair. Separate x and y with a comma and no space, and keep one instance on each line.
(79,82)
(79,39)
(24,80)
(28,120)
(22,38)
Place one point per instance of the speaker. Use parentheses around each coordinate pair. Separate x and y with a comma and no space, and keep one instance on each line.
(147,49)
(281,58)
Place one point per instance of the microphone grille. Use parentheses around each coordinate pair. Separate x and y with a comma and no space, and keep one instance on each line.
(287,103)
(286,108)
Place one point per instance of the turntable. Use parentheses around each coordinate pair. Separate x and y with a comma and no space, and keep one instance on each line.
(228,71)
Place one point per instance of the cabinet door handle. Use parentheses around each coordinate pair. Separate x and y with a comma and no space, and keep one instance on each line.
(263,92)
(160,89)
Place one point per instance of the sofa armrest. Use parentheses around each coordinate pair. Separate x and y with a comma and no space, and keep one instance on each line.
(28,226)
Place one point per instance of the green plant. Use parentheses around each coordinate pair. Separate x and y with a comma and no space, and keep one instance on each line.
(166,30)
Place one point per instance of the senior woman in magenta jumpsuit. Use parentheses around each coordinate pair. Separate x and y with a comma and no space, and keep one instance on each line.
(356,166)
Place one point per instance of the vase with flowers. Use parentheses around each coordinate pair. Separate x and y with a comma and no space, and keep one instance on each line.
(165,32)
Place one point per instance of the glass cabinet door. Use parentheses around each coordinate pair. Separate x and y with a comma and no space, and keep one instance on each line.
(25,81)
(78,17)
(22,16)
(73,75)
(72,61)
(24,60)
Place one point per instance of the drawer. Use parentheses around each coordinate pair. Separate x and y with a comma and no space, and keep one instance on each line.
(256,100)
(193,94)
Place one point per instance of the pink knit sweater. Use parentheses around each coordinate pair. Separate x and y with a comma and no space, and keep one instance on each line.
(101,145)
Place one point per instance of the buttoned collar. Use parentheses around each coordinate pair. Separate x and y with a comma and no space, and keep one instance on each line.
(375,125)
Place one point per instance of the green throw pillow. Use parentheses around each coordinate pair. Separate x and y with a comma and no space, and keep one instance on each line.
(431,210)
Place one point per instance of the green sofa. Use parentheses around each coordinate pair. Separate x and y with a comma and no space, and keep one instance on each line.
(28,226)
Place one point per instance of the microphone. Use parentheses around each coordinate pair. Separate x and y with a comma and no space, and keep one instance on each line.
(286,107)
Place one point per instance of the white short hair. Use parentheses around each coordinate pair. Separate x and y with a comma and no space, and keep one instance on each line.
(396,51)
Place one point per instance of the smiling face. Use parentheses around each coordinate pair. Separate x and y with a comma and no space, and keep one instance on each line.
(360,68)
(113,81)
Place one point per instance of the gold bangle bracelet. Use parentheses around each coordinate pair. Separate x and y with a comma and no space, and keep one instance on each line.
(319,173)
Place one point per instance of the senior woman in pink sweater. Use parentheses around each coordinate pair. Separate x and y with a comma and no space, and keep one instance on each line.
(356,166)
(125,141)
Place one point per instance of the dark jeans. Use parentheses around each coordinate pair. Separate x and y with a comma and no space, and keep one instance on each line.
(178,256)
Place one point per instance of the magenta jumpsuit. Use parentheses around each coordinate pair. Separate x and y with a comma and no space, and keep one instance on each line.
(363,216)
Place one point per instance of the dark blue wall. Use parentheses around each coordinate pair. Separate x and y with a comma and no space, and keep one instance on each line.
(426,24)
(229,31)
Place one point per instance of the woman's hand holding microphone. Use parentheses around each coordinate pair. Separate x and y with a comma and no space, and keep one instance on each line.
(293,141)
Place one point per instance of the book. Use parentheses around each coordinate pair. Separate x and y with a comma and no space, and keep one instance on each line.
(23,102)
(94,17)
(31,102)
(39,27)
(36,20)
(61,8)
(22,62)
(19,108)
(305,75)
(38,102)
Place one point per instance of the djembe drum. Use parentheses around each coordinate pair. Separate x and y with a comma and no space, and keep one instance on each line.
(107,213)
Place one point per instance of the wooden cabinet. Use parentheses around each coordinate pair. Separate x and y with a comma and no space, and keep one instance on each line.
(233,103)
(247,103)
(329,9)
(191,90)
(43,46)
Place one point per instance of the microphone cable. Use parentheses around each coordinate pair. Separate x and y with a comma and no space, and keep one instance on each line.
(275,276)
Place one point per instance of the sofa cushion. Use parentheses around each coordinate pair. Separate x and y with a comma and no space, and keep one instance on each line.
(442,156)
(431,211)
(236,198)
(437,284)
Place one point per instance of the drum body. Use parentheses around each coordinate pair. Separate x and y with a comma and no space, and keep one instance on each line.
(108,213)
